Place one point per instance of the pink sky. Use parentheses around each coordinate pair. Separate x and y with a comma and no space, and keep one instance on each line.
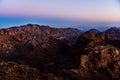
(93,10)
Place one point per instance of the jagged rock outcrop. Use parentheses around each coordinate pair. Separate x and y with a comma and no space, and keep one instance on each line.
(101,62)
(98,56)
(86,39)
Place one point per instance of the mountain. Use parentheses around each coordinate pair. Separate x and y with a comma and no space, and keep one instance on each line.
(114,31)
(86,59)
(99,57)
(93,56)
(16,42)
(37,52)
(94,31)
(100,27)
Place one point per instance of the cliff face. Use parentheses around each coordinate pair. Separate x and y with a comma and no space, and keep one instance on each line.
(42,53)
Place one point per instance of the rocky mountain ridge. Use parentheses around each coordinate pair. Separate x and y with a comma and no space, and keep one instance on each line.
(37,52)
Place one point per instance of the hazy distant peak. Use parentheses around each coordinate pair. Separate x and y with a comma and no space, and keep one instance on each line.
(94,31)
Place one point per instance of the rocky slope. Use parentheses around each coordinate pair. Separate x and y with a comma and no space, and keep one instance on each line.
(17,42)
(98,56)
(33,52)
(14,71)
(91,57)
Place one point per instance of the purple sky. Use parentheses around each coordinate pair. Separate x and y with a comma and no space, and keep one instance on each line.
(89,10)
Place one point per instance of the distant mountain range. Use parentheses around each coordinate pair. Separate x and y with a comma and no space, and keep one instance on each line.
(88,27)
(115,31)
(35,52)
(94,31)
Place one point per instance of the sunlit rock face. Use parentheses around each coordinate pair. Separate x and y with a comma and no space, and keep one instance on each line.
(98,55)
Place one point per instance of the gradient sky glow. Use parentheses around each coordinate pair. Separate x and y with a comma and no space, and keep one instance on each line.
(76,10)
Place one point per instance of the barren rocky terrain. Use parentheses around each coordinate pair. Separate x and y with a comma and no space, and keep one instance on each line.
(34,52)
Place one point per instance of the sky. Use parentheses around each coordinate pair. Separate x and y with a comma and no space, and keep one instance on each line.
(61,13)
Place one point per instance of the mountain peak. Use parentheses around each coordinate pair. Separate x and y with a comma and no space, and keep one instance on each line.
(94,31)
